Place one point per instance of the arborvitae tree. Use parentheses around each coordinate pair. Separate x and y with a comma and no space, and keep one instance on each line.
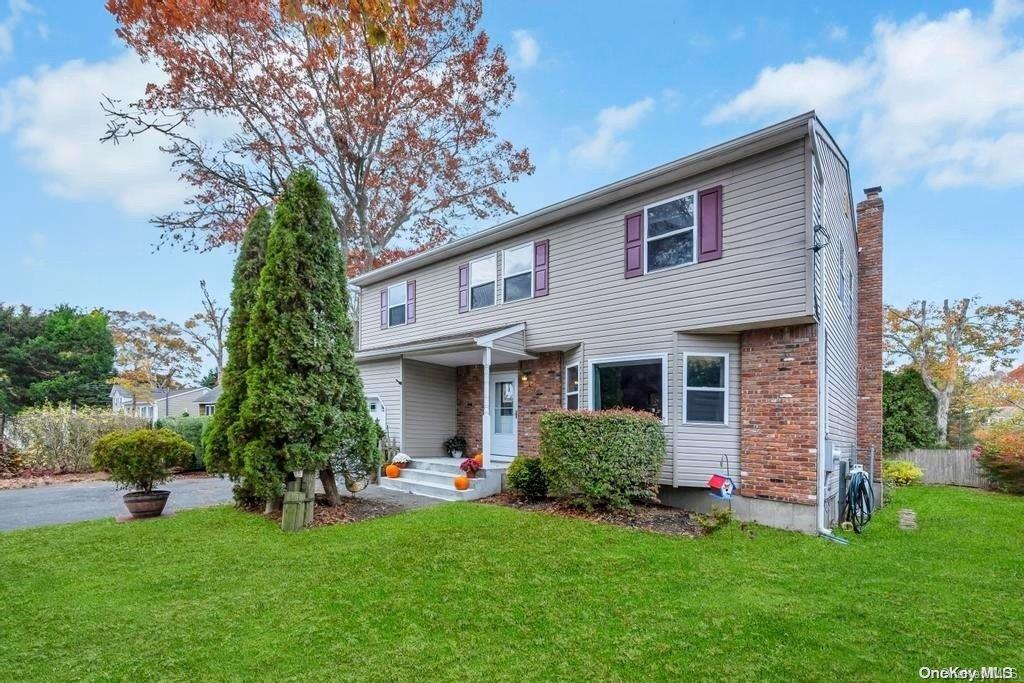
(908,412)
(304,403)
(220,443)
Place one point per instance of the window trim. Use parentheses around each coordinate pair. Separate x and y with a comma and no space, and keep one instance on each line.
(505,275)
(405,303)
(692,229)
(724,388)
(603,360)
(497,299)
(565,386)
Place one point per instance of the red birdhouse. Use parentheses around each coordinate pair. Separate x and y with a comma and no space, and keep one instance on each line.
(721,486)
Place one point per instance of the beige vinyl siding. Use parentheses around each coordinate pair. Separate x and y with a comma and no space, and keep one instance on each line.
(428,394)
(834,208)
(700,450)
(760,280)
(381,379)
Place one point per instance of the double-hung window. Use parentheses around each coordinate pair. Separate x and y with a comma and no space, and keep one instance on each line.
(483,275)
(517,273)
(572,387)
(670,232)
(396,304)
(637,383)
(705,390)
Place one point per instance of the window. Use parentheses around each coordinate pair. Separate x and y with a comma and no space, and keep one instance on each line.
(144,411)
(705,395)
(637,383)
(208,409)
(572,387)
(670,232)
(396,304)
(483,275)
(517,271)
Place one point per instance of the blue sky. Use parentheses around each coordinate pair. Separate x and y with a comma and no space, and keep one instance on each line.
(926,99)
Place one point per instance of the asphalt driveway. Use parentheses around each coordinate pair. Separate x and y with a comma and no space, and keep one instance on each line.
(44,505)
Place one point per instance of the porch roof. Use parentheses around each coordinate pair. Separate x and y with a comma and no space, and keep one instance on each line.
(507,344)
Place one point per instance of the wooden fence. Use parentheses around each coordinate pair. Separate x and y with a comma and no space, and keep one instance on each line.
(955,467)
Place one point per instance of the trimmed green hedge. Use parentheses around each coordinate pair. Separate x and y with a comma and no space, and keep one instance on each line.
(526,477)
(191,429)
(604,458)
(141,459)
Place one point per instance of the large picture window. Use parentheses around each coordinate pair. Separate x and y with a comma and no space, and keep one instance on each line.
(705,390)
(396,304)
(670,232)
(483,275)
(517,273)
(572,387)
(637,383)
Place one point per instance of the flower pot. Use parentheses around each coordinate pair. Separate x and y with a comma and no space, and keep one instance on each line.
(142,504)
(402,465)
(455,454)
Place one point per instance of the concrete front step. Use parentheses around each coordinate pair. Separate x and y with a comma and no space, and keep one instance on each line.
(479,488)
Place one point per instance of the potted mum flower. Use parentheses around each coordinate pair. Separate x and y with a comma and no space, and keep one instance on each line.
(139,460)
(470,467)
(402,460)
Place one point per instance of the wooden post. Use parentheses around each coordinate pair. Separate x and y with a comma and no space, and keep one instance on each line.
(309,490)
(294,511)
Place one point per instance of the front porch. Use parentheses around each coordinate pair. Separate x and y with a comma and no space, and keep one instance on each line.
(434,477)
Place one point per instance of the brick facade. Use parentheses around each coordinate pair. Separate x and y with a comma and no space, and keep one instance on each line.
(869,324)
(540,390)
(779,414)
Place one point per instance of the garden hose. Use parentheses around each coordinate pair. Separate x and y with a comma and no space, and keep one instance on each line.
(860,499)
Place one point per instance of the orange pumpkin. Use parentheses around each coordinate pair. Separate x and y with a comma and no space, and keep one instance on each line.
(479,457)
(393,471)
(461,482)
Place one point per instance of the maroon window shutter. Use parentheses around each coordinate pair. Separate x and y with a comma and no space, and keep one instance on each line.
(410,301)
(384,308)
(463,288)
(710,224)
(540,268)
(634,244)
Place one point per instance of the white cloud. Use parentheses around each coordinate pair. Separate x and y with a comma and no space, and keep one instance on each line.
(605,148)
(836,32)
(527,49)
(56,121)
(16,11)
(940,98)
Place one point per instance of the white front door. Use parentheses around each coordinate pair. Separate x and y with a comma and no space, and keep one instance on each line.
(504,413)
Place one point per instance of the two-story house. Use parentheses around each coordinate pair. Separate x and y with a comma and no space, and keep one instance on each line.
(735,293)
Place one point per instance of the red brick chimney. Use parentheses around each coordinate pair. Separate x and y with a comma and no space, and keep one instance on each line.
(869,325)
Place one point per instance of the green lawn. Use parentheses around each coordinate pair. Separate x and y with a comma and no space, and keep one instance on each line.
(473,591)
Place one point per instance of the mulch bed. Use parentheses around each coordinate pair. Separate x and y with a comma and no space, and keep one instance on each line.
(648,517)
(350,509)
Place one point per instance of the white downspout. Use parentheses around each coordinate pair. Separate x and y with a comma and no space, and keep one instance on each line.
(487,407)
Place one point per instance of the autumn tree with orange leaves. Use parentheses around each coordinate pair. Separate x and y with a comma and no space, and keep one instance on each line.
(949,342)
(391,103)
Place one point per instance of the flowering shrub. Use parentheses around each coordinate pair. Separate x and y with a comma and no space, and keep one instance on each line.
(401,459)
(470,466)
(61,438)
(1000,454)
(602,458)
(901,473)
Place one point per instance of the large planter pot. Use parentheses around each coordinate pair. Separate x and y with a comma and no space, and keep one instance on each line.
(142,504)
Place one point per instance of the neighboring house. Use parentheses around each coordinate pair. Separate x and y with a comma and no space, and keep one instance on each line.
(165,403)
(735,293)
(206,402)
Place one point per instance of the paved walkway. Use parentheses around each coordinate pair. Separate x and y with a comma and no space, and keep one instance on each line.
(45,505)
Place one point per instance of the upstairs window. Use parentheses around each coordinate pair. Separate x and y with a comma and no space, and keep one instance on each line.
(572,387)
(396,304)
(483,276)
(517,273)
(705,394)
(669,232)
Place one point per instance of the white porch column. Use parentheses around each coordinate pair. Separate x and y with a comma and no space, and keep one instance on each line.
(486,433)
